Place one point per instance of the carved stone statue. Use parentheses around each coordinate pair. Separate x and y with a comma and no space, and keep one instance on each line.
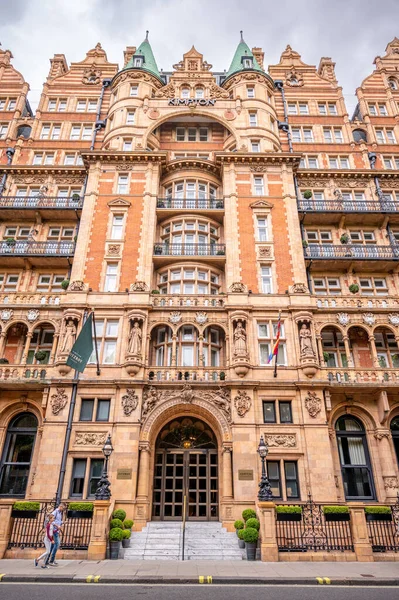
(305,337)
(69,338)
(135,339)
(240,341)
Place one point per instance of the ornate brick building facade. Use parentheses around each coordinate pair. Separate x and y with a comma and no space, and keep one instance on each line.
(187,209)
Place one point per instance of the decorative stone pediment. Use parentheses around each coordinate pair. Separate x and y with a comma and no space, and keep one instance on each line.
(261,204)
(119,202)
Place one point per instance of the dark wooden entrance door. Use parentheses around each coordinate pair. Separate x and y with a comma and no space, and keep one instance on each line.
(186,478)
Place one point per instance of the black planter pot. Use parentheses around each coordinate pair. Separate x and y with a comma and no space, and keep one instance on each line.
(126,543)
(114,550)
(337,516)
(79,514)
(251,551)
(289,516)
(24,514)
(378,517)
(241,544)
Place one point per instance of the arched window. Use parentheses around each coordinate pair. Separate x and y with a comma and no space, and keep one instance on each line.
(17,455)
(395,435)
(359,135)
(393,83)
(354,458)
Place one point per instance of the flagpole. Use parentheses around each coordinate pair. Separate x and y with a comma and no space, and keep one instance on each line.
(61,477)
(275,362)
(95,344)
(275,366)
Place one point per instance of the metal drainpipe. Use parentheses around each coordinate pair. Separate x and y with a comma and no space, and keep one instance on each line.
(10,153)
(279,85)
(99,124)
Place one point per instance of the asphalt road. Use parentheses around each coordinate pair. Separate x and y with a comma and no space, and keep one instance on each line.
(94,591)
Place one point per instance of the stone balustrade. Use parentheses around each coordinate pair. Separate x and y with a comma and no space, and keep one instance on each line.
(356,301)
(181,300)
(31,298)
(205,374)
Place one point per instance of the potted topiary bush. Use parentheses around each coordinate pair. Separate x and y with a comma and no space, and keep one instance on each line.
(75,197)
(40,355)
(155,291)
(238,525)
(344,239)
(119,513)
(289,513)
(115,538)
(307,194)
(248,513)
(80,510)
(65,284)
(128,523)
(10,241)
(253,524)
(353,288)
(220,253)
(240,534)
(219,204)
(305,244)
(250,537)
(378,513)
(336,513)
(25,510)
(158,249)
(126,538)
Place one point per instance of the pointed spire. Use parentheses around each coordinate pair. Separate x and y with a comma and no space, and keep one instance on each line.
(148,63)
(237,63)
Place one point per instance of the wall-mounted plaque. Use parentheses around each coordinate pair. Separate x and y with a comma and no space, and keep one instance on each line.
(124,474)
(246,475)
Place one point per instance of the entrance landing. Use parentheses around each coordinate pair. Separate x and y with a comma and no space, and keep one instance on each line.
(164,541)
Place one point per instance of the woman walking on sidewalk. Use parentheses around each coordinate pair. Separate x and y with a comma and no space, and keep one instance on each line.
(48,542)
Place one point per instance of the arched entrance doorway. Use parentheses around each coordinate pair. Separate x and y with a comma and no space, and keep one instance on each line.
(186,472)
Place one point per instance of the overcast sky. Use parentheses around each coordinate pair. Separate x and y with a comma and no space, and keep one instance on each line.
(352,32)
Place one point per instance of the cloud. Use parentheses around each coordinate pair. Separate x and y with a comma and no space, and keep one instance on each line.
(352,33)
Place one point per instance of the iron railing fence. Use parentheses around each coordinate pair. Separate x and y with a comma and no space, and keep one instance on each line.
(41,202)
(190,249)
(351,252)
(313,532)
(347,206)
(384,534)
(28,248)
(29,532)
(191,203)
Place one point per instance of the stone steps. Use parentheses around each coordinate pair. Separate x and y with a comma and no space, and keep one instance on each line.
(163,541)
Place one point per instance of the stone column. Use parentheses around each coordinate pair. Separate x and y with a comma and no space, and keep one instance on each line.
(54,347)
(3,336)
(320,349)
(99,530)
(373,350)
(174,346)
(347,351)
(26,347)
(267,516)
(144,468)
(227,473)
(360,536)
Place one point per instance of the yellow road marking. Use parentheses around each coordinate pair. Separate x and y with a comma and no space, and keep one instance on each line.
(319,580)
(209,579)
(1,576)
(97,578)
(327,580)
(201,579)
(89,578)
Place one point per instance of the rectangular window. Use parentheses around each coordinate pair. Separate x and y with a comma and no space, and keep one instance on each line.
(332,108)
(55,132)
(92,106)
(62,106)
(81,106)
(322,108)
(38,158)
(69,159)
(380,136)
(192,134)
(203,134)
(127,145)
(78,477)
(296,134)
(123,181)
(308,135)
(259,186)
(269,412)
(253,119)
(180,134)
(45,132)
(134,90)
(87,132)
(52,105)
(96,469)
(111,277)
(327,135)
(49,159)
(372,110)
(262,229)
(75,132)
(303,108)
(292,108)
(117,227)
(273,473)
(250,92)
(267,285)
(312,161)
(291,479)
(338,136)
(383,110)
(391,136)
(255,146)
(285,412)
(86,410)
(103,407)
(130,117)
(3,131)
(11,104)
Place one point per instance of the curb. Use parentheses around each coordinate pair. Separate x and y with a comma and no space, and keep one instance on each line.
(216,580)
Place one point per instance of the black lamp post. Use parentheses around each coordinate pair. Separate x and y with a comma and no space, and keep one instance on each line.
(265,491)
(103,491)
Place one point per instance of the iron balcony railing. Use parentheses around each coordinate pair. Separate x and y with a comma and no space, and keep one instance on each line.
(190,249)
(191,203)
(351,252)
(27,248)
(44,202)
(348,206)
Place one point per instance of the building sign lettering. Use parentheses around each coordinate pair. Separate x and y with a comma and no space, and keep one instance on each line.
(124,474)
(191,102)
(245,475)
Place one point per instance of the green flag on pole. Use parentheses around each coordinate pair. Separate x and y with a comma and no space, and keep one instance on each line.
(83,347)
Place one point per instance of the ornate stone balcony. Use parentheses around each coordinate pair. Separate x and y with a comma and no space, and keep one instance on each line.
(191,250)
(190,204)
(30,298)
(194,374)
(354,376)
(40,202)
(183,300)
(355,301)
(26,373)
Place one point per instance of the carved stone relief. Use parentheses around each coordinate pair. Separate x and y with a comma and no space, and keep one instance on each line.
(313,404)
(58,401)
(242,402)
(343,319)
(130,401)
(139,286)
(280,440)
(87,438)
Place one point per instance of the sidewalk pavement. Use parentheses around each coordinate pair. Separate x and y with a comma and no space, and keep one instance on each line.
(220,571)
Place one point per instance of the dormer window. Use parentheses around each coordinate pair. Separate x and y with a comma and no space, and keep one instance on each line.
(247,62)
(138,61)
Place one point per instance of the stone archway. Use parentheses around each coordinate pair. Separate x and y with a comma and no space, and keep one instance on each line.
(160,407)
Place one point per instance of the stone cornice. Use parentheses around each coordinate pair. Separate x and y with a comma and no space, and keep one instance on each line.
(192,163)
(259,158)
(46,170)
(347,173)
(108,156)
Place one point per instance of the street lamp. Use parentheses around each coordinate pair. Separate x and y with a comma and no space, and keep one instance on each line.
(103,491)
(265,491)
